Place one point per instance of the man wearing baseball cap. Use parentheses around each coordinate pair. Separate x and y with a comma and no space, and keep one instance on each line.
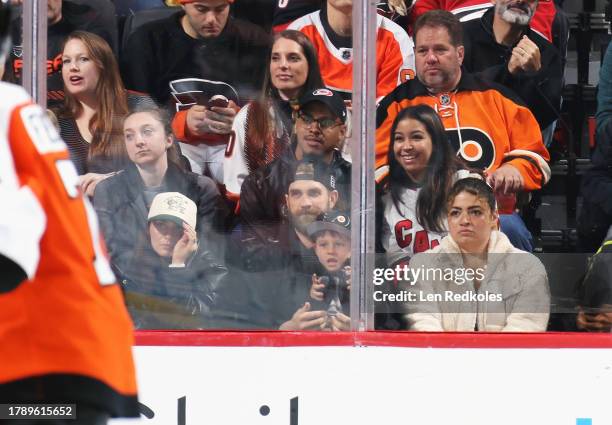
(202,41)
(278,259)
(320,130)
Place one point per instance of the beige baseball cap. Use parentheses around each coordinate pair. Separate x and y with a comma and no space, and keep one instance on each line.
(175,207)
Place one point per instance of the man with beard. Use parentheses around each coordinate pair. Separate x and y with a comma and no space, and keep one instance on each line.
(503,47)
(277,202)
(320,130)
(487,128)
(271,276)
(466,10)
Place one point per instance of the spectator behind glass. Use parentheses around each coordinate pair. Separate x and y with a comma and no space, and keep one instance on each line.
(170,282)
(63,18)
(123,200)
(595,218)
(467,10)
(263,128)
(411,212)
(512,284)
(94,106)
(595,291)
(320,129)
(331,235)
(331,28)
(485,127)
(200,41)
(503,47)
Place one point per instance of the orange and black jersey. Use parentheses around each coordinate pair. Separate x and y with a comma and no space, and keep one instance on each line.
(66,335)
(485,126)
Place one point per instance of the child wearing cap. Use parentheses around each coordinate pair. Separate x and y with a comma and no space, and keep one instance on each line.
(329,291)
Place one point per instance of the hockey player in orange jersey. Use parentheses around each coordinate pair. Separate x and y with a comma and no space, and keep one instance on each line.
(66,335)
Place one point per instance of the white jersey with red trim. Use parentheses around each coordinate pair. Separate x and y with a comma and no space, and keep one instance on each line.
(394,55)
(402,236)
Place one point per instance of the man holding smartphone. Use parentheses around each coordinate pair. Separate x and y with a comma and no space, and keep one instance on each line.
(200,41)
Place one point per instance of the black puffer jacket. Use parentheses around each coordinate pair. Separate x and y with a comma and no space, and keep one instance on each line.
(264,231)
(163,297)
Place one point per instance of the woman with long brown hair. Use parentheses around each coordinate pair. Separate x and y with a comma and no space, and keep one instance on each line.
(262,129)
(94,107)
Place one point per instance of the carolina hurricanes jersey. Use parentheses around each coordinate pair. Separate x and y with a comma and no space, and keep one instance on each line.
(484,127)
(66,323)
(401,234)
(473,9)
(394,55)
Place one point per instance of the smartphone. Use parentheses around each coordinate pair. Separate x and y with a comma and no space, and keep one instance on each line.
(218,100)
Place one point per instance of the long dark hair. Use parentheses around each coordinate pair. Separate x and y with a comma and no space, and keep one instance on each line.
(438,178)
(259,129)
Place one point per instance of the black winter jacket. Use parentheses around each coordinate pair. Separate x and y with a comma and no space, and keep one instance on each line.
(541,90)
(123,211)
(262,196)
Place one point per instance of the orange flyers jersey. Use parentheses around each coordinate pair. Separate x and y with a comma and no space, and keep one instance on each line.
(67,318)
(394,55)
(473,9)
(484,127)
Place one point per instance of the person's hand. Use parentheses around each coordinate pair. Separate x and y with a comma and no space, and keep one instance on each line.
(506,179)
(89,181)
(398,6)
(317,288)
(185,246)
(525,57)
(339,322)
(594,322)
(218,120)
(304,319)
(347,272)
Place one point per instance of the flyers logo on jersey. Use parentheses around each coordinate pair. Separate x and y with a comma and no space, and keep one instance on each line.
(475,146)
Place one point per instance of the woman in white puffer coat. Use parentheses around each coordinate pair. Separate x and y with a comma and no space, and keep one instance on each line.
(475,280)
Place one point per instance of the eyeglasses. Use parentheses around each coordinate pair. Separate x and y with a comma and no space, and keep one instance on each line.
(324,123)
